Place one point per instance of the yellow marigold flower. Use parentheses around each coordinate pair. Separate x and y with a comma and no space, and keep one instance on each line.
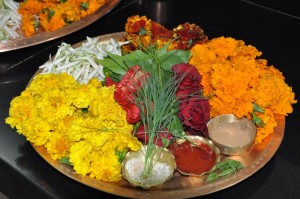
(79,153)
(106,172)
(95,155)
(79,121)
(58,144)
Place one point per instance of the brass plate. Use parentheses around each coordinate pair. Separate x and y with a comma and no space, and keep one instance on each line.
(181,186)
(42,37)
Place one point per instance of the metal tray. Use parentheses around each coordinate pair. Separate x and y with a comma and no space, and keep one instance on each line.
(181,186)
(42,36)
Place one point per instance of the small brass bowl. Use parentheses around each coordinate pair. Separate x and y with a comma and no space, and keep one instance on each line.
(183,150)
(163,167)
(231,135)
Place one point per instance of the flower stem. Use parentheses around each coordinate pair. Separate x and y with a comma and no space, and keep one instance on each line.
(149,156)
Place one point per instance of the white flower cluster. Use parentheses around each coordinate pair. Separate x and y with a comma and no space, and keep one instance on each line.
(10,20)
(81,62)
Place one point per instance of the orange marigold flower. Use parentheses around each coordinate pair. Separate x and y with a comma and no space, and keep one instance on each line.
(188,35)
(233,79)
(142,30)
(270,123)
(28,25)
(52,19)
(55,14)
(136,23)
(90,6)
(30,7)
(272,92)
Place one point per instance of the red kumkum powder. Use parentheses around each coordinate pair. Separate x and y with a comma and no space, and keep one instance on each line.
(193,159)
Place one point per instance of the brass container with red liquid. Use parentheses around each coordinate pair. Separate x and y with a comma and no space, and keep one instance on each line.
(195,155)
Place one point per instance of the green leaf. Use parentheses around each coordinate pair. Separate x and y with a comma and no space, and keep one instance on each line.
(84,6)
(65,160)
(116,77)
(222,165)
(161,60)
(257,108)
(50,14)
(36,23)
(136,127)
(139,58)
(173,57)
(119,60)
(142,31)
(163,50)
(257,121)
(226,172)
(84,110)
(211,177)
(44,10)
(226,167)
(166,142)
(176,127)
(240,166)
(115,60)
(121,154)
(111,65)
(234,164)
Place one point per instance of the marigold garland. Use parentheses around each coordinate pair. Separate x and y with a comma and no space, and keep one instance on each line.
(233,78)
(79,121)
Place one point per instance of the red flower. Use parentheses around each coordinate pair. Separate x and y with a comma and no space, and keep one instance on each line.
(194,112)
(189,35)
(125,90)
(158,140)
(133,114)
(190,83)
(109,82)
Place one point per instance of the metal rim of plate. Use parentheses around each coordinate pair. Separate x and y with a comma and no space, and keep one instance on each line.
(42,37)
(180,186)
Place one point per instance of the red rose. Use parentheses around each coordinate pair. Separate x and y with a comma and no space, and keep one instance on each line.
(190,80)
(181,94)
(125,90)
(133,114)
(158,140)
(194,112)
(109,82)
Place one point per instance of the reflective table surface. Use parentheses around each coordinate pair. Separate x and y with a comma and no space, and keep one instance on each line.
(273,27)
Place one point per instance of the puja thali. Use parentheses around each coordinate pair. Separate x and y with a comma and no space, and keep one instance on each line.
(181,186)
(42,36)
